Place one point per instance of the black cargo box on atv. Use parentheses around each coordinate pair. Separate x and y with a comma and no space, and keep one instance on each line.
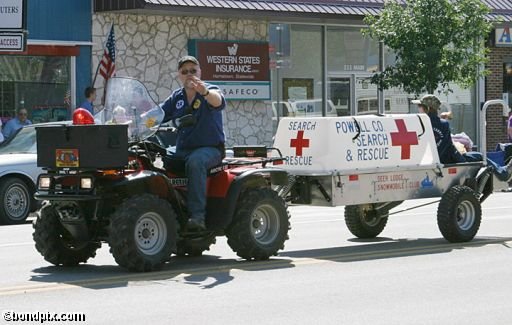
(82,146)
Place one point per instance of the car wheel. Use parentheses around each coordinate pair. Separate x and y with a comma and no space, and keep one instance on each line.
(16,201)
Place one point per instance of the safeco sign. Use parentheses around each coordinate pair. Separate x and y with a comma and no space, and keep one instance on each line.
(239,68)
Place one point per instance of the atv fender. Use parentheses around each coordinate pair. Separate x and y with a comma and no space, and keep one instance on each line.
(146,181)
(252,179)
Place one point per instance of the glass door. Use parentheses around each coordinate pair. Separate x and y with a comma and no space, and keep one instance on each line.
(339,96)
(352,94)
(366,97)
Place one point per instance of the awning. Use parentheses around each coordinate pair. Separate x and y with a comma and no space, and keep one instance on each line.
(284,8)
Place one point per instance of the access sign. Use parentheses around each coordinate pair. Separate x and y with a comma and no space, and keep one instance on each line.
(12,42)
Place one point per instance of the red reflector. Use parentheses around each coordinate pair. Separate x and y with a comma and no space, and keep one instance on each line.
(452,170)
(353,177)
(278,162)
(81,116)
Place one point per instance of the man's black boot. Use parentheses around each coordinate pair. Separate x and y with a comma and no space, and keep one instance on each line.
(195,225)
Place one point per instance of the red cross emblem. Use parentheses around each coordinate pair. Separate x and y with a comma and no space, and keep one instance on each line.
(299,143)
(404,138)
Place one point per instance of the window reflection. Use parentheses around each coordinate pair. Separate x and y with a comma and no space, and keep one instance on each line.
(38,83)
(350,63)
(22,142)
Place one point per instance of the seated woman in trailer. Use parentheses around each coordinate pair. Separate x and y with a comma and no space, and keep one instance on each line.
(448,153)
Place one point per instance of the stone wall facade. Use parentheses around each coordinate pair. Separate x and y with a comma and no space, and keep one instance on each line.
(148,49)
(496,123)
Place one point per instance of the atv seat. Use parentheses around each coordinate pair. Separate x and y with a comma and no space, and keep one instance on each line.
(177,166)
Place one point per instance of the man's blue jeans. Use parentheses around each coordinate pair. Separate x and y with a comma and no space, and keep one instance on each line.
(197,163)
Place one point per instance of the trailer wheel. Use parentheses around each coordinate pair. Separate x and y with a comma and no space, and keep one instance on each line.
(363,222)
(142,233)
(459,214)
(260,225)
(195,246)
(55,243)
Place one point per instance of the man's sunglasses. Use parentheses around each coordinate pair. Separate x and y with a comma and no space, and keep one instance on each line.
(186,71)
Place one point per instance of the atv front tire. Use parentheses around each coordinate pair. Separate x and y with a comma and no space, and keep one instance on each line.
(260,225)
(56,244)
(142,233)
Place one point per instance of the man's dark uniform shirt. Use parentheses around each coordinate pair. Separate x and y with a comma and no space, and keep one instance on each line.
(207,131)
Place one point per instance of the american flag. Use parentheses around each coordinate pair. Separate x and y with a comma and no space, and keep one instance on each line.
(67,98)
(108,61)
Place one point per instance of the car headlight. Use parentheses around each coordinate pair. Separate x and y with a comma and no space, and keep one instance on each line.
(45,182)
(86,183)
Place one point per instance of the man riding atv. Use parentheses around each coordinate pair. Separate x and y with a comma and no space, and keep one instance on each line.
(201,143)
(115,192)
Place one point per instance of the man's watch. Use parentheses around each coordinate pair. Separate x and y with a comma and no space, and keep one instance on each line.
(206,94)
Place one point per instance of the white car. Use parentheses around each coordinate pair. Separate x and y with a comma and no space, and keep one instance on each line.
(18,175)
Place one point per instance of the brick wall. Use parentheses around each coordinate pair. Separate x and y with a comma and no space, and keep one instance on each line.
(496,123)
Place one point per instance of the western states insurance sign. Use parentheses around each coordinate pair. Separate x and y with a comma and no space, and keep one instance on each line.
(239,68)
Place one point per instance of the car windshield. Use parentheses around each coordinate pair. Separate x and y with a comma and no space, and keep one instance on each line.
(128,102)
(22,142)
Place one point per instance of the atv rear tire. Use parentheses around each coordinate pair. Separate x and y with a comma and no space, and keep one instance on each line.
(459,214)
(142,233)
(362,222)
(55,243)
(260,225)
(195,246)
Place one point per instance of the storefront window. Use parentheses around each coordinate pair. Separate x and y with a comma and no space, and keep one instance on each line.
(299,76)
(41,84)
(461,104)
(348,51)
(351,60)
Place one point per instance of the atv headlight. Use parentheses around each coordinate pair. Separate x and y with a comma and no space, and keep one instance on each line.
(86,183)
(44,182)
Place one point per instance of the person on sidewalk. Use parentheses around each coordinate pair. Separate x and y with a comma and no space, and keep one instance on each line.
(90,97)
(16,123)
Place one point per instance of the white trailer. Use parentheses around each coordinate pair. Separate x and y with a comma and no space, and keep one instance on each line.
(370,164)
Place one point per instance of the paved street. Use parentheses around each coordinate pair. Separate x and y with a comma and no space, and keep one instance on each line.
(409,275)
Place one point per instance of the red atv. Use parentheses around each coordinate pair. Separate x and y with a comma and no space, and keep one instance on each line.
(106,182)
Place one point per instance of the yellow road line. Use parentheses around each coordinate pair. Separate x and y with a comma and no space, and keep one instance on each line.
(282,261)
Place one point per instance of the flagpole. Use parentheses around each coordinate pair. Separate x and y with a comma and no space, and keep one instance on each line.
(101,57)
